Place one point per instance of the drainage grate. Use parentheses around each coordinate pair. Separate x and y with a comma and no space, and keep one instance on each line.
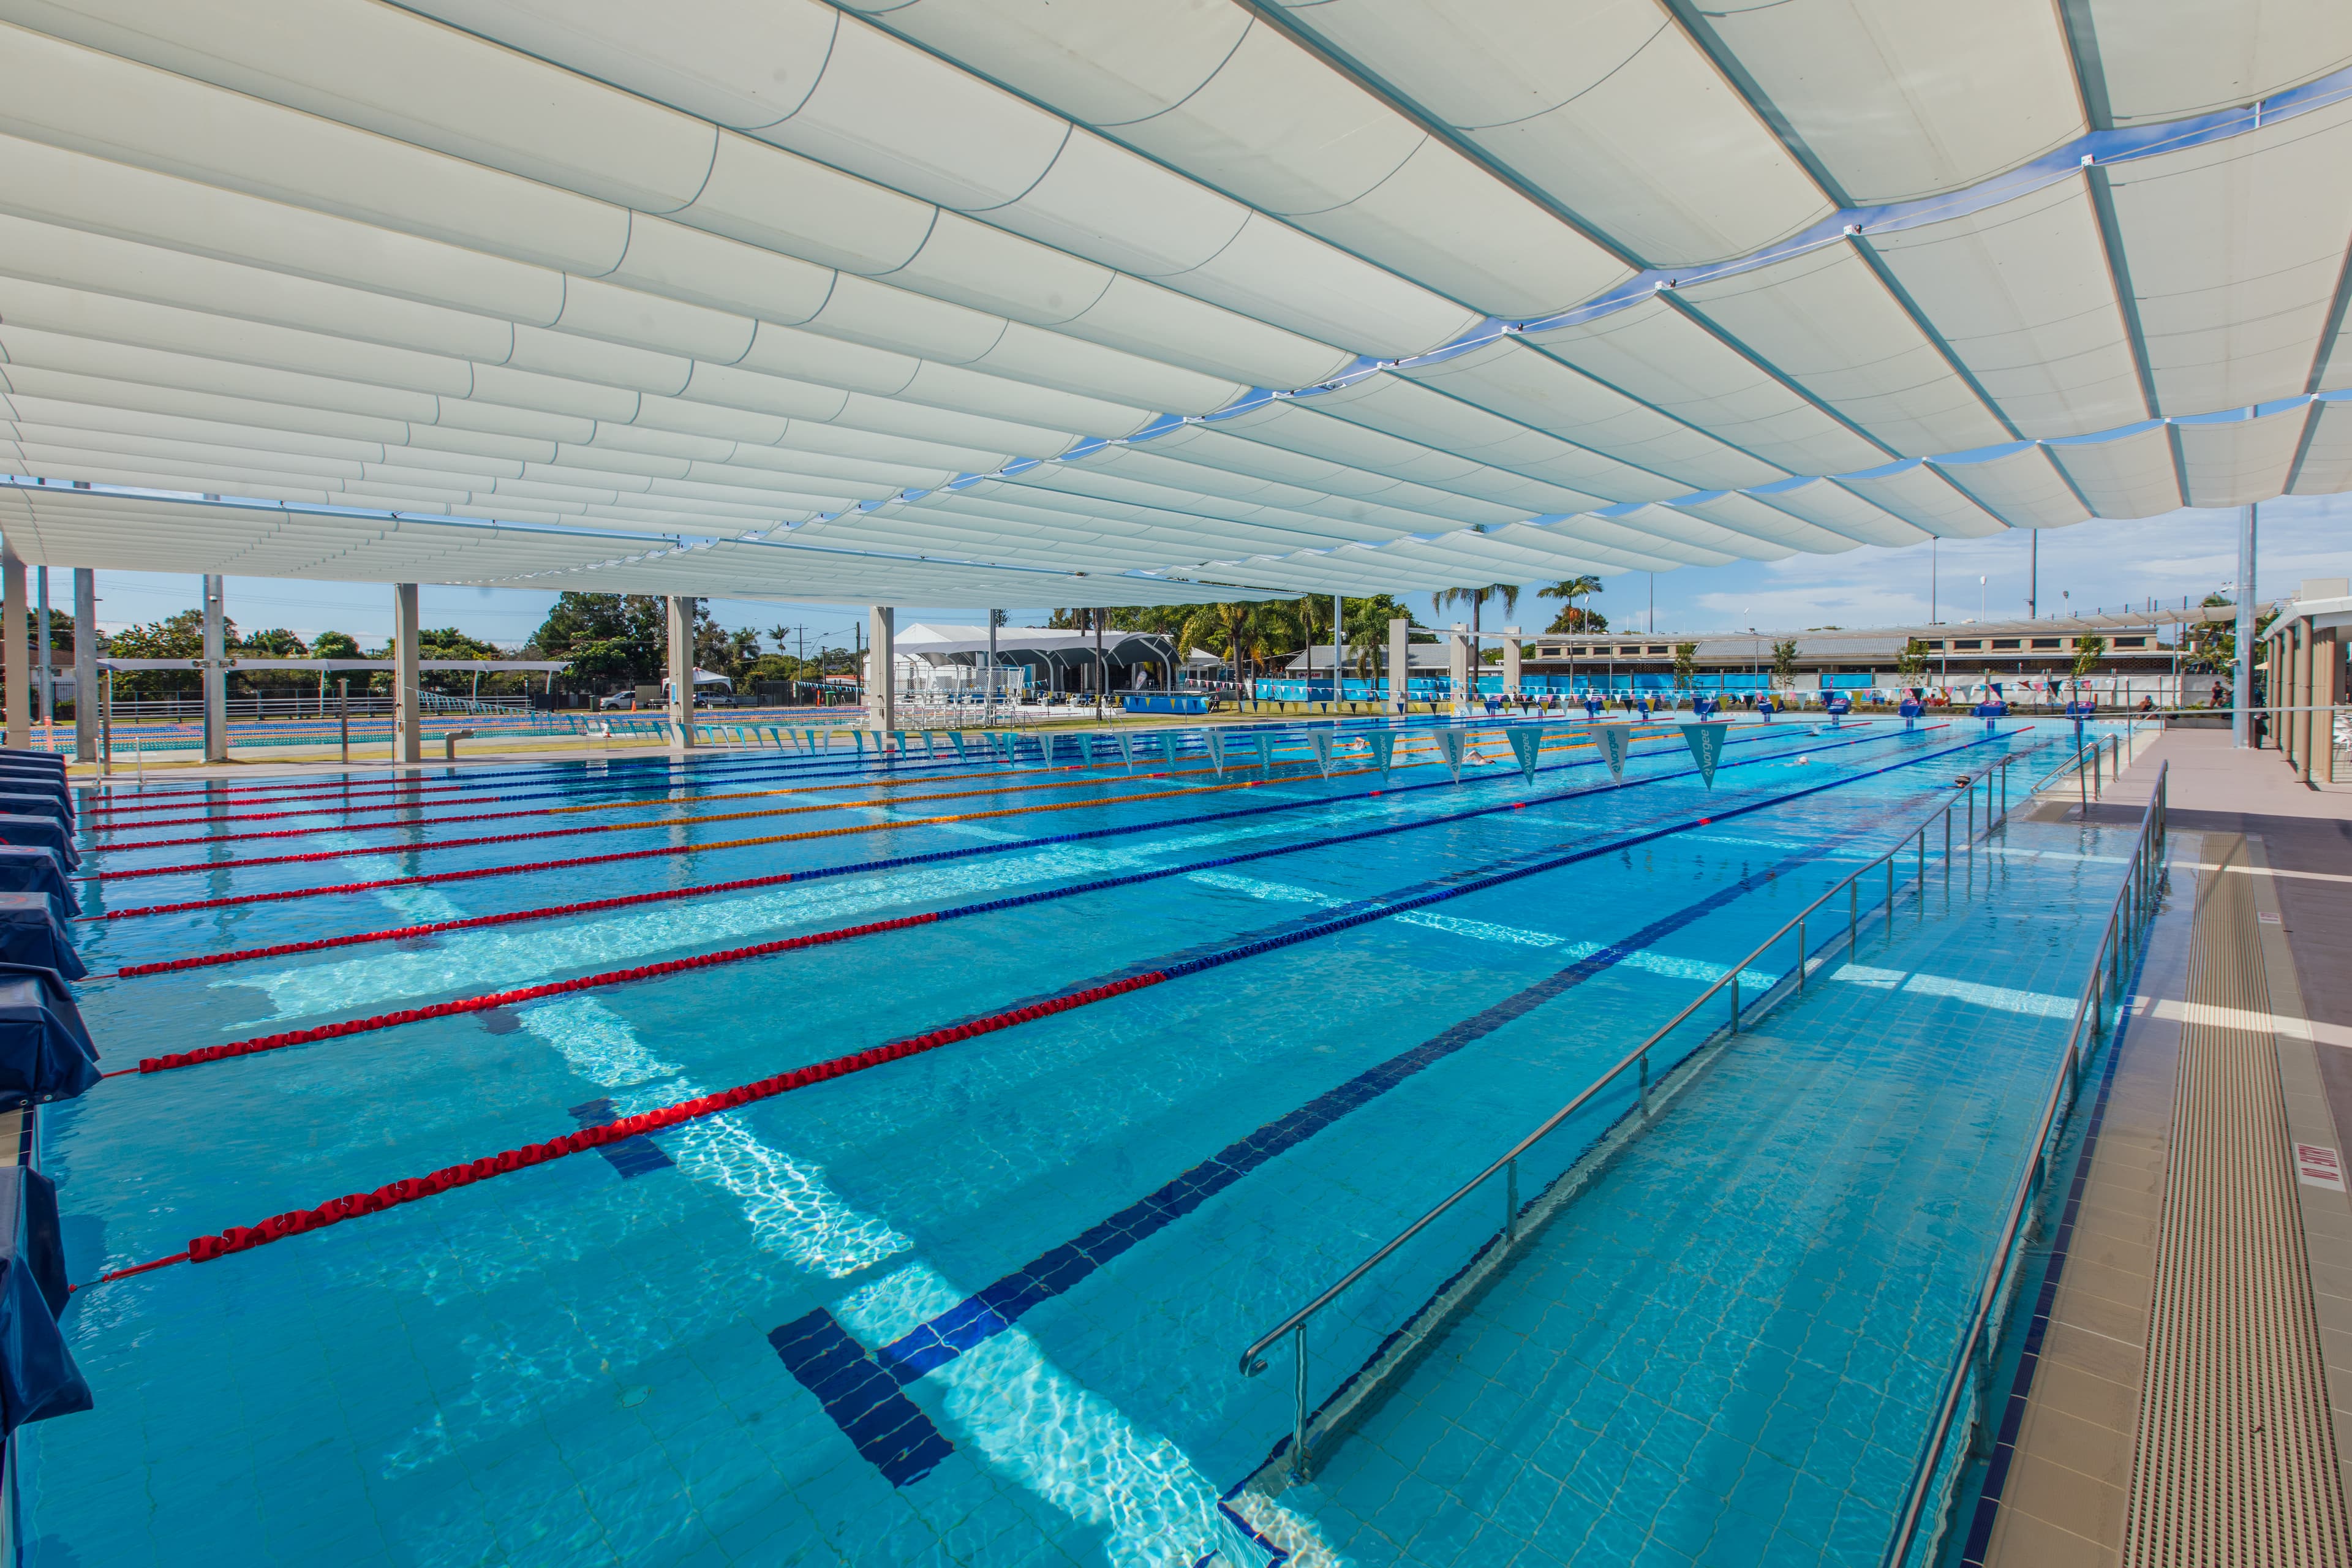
(2236,1462)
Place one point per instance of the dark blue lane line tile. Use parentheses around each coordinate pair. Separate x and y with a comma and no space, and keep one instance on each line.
(982,1316)
(635,1157)
(889,1430)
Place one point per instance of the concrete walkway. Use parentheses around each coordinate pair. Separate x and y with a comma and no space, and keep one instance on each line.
(2160,1412)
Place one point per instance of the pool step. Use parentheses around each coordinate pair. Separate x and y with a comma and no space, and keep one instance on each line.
(1716,1335)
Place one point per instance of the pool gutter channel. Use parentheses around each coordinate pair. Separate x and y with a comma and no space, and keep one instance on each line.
(1398,1356)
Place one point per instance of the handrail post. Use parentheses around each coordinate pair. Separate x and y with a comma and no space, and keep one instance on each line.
(1735,1001)
(1890,895)
(1298,1428)
(1511,1202)
(1803,963)
(1853,918)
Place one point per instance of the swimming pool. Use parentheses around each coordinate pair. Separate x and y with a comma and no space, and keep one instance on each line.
(976,1302)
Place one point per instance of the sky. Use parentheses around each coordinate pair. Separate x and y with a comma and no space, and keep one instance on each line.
(2090,565)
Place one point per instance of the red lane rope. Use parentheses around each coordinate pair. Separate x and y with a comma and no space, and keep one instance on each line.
(314,856)
(231,901)
(434,928)
(533,811)
(483,1004)
(296,1222)
(1035,782)
(127,1273)
(673,773)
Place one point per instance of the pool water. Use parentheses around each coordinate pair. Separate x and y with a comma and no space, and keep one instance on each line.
(983,1305)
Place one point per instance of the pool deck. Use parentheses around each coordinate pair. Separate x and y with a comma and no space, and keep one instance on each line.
(2187,1377)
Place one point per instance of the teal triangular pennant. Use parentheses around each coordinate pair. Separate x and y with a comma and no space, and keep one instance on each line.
(1526,743)
(1449,745)
(1705,738)
(1383,745)
(1616,744)
(1214,740)
(1321,740)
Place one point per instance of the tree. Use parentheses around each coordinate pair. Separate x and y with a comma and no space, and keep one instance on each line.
(2212,647)
(1910,665)
(448,642)
(1574,616)
(336,645)
(275,642)
(1784,663)
(175,636)
(605,637)
(1686,665)
(1508,593)
(1577,620)
(1368,630)
(2088,651)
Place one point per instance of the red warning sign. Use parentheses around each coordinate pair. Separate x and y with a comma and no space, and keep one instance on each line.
(2318,1166)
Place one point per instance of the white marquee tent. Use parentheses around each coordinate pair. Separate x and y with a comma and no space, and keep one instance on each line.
(997,301)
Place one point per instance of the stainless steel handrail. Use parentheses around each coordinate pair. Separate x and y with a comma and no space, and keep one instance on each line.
(2134,905)
(1507,1164)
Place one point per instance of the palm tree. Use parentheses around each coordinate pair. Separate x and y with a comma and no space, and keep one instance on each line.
(1508,593)
(1572,618)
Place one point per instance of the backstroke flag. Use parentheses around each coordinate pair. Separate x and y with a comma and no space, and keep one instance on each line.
(1449,742)
(1321,740)
(1383,745)
(1126,750)
(1705,738)
(1525,744)
(1214,740)
(1616,744)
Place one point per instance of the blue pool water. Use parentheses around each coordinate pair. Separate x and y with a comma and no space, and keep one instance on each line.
(983,1305)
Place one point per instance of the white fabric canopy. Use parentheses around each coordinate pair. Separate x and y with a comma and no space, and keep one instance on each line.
(1350,296)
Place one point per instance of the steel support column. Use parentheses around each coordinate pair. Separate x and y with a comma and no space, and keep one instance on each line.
(18,699)
(84,663)
(408,699)
(679,705)
(881,699)
(215,671)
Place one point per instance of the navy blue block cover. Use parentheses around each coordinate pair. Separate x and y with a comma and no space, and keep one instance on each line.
(25,803)
(31,934)
(49,760)
(26,776)
(44,1047)
(41,833)
(37,1375)
(33,871)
